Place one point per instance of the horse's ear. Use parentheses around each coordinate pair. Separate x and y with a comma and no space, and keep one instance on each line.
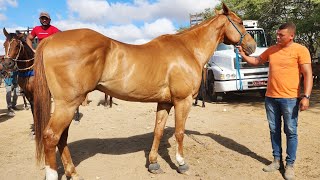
(5,32)
(226,10)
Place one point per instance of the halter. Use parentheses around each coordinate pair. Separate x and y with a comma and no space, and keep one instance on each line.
(238,74)
(241,35)
(7,54)
(16,59)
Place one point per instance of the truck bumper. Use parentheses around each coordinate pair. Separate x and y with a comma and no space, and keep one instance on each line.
(234,85)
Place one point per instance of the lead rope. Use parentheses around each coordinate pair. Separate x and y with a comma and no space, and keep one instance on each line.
(239,83)
(238,59)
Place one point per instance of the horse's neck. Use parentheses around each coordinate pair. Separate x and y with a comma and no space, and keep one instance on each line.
(26,53)
(203,40)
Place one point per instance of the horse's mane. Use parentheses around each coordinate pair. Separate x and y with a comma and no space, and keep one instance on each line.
(203,23)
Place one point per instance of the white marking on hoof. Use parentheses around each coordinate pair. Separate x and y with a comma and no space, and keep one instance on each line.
(180,159)
(51,174)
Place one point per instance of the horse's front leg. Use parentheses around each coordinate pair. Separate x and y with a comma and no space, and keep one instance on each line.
(163,110)
(182,109)
(55,134)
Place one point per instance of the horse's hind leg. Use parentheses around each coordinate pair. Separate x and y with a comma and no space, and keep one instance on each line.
(68,165)
(163,111)
(26,107)
(182,109)
(55,134)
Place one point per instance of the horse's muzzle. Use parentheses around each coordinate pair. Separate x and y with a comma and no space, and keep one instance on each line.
(8,63)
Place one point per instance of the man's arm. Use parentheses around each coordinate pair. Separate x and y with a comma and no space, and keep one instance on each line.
(30,38)
(306,71)
(254,61)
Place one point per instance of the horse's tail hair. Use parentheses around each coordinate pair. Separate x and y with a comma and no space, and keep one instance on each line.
(42,101)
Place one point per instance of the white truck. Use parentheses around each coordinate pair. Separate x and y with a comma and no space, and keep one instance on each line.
(225,75)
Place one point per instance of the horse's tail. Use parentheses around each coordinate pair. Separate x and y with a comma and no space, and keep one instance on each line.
(42,101)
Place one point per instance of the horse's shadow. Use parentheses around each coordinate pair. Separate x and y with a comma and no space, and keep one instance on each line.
(87,148)
(232,145)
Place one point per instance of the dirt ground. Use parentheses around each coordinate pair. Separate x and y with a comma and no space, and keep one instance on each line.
(225,140)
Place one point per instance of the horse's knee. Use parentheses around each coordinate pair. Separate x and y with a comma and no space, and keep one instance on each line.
(50,138)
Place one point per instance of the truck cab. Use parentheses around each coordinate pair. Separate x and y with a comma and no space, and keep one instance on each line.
(225,74)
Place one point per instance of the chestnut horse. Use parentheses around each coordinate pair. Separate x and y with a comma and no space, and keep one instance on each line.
(18,51)
(166,70)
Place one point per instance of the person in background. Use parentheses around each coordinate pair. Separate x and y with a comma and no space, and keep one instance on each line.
(42,31)
(287,61)
(12,91)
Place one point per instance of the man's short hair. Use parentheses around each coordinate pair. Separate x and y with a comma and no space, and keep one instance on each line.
(290,26)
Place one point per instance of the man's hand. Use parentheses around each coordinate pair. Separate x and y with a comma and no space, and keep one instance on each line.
(241,52)
(304,104)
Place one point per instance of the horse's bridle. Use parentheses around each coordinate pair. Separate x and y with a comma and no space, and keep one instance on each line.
(16,59)
(241,35)
(6,56)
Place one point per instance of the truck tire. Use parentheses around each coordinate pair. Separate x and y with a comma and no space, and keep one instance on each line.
(210,87)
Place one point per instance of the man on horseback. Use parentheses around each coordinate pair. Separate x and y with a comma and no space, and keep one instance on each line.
(42,31)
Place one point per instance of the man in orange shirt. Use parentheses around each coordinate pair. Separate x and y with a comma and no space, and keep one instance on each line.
(287,61)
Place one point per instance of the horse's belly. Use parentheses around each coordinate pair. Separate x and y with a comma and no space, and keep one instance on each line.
(139,94)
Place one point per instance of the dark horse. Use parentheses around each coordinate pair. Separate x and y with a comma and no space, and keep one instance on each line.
(202,90)
(18,51)
(166,70)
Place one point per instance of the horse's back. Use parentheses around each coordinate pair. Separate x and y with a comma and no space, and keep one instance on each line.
(150,72)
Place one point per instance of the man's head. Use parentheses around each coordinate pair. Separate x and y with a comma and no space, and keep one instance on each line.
(286,33)
(44,18)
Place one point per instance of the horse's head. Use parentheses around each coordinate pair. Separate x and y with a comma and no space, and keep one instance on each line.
(235,33)
(13,46)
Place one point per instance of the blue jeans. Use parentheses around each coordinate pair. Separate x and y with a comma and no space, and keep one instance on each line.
(12,92)
(288,108)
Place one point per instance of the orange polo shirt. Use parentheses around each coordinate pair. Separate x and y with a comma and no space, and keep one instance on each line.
(284,69)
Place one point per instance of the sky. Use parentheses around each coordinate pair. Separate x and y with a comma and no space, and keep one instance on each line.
(129,21)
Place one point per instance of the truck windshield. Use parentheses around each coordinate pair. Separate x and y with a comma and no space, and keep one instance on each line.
(259,37)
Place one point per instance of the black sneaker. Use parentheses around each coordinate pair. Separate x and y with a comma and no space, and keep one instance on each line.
(15,108)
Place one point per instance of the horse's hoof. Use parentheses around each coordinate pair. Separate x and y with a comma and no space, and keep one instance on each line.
(183,168)
(155,168)
(74,177)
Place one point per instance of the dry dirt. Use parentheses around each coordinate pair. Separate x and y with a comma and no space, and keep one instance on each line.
(225,140)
